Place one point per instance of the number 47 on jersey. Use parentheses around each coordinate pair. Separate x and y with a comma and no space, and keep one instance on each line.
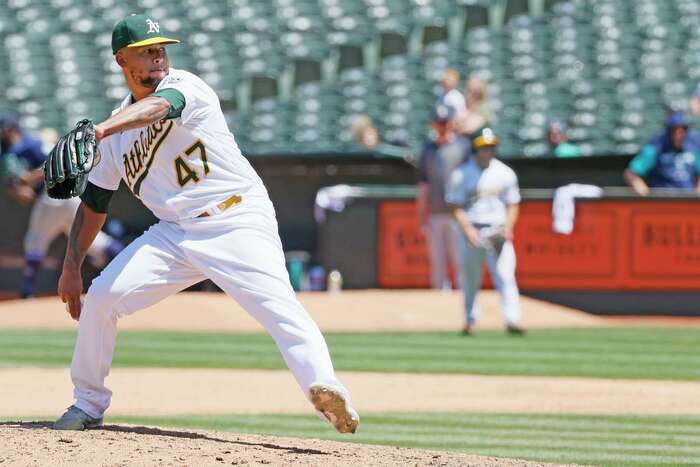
(185,171)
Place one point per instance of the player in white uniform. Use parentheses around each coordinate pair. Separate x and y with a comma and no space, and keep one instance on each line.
(170,143)
(485,196)
(49,219)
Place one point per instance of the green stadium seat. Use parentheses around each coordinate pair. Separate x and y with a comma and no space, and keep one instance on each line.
(607,67)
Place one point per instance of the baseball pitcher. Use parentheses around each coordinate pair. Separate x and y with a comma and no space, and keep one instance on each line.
(169,142)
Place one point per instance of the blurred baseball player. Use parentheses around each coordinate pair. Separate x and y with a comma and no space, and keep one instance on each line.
(485,197)
(170,144)
(440,157)
(49,217)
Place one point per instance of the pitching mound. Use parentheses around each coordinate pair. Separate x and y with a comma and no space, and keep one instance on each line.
(36,444)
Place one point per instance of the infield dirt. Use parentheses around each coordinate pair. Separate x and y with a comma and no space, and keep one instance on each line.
(162,391)
(121,445)
(348,311)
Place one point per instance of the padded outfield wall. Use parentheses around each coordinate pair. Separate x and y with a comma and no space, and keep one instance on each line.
(293,182)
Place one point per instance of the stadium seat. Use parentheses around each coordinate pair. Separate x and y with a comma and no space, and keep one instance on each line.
(606,67)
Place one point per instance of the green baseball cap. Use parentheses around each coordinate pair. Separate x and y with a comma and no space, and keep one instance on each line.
(137,31)
(484,137)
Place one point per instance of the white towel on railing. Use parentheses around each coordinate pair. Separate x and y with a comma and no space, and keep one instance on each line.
(332,198)
(563,207)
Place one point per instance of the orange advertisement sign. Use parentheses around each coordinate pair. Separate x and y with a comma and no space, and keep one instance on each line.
(403,253)
(650,245)
(586,252)
(666,244)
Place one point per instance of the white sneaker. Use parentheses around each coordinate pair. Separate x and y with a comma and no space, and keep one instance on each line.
(334,406)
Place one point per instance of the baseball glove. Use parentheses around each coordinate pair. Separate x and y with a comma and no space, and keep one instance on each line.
(497,241)
(493,239)
(69,162)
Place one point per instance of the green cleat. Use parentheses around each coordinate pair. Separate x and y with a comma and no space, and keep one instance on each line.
(76,419)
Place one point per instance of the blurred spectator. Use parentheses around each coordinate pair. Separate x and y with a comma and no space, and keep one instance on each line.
(669,160)
(367,136)
(440,157)
(23,153)
(478,112)
(450,95)
(365,133)
(558,141)
(695,102)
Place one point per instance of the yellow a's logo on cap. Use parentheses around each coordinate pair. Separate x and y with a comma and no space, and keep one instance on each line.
(152,26)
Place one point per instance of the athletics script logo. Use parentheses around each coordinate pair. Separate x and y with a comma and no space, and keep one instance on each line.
(139,159)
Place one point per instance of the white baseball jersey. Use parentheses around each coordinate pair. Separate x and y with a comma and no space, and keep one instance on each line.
(483,193)
(182,167)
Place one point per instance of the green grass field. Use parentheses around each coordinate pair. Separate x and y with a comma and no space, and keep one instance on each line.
(629,352)
(620,352)
(599,440)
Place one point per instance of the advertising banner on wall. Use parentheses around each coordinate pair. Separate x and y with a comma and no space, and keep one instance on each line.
(651,245)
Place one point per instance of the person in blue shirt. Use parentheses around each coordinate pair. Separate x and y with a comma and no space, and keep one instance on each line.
(670,160)
(27,151)
(49,217)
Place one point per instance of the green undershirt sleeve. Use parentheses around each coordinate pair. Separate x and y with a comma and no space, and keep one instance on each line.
(96,198)
(175,99)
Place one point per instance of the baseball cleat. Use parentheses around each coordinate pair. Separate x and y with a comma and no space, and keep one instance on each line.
(76,419)
(334,406)
(515,330)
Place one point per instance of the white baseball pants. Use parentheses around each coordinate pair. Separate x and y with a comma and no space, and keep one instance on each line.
(240,251)
(502,268)
(443,239)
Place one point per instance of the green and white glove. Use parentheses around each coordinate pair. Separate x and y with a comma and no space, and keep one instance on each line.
(69,162)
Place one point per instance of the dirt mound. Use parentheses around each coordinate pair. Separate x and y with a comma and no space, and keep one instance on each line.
(36,444)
